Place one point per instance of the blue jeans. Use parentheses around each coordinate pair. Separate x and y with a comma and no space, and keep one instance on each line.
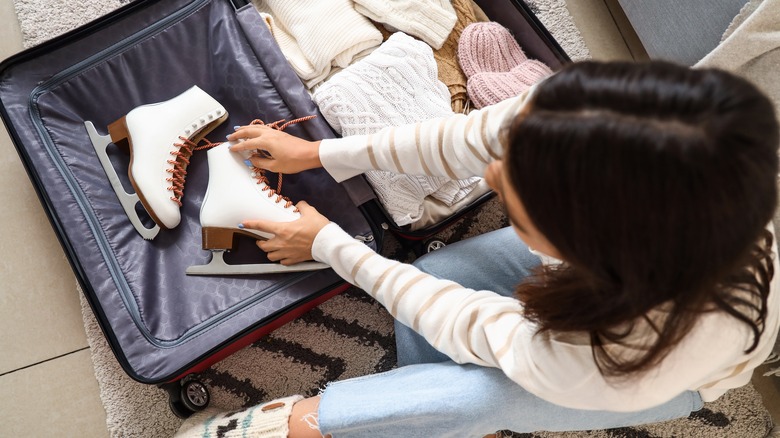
(428,395)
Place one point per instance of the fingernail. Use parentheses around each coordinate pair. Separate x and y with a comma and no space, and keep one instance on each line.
(227,136)
(248,163)
(236,128)
(241,226)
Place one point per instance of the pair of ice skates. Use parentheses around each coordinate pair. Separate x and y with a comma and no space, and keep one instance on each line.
(161,138)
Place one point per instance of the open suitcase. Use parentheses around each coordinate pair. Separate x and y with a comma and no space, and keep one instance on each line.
(58,98)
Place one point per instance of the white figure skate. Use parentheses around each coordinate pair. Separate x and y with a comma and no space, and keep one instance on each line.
(160,139)
(237,192)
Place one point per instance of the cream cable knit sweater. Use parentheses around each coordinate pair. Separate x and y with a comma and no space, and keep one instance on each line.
(395,85)
(316,35)
(487,329)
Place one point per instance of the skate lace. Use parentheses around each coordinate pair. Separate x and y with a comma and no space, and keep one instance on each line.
(259,174)
(179,164)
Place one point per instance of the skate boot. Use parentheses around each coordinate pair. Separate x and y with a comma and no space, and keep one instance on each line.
(237,192)
(160,139)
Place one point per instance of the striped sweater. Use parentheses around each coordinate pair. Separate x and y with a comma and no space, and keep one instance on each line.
(484,328)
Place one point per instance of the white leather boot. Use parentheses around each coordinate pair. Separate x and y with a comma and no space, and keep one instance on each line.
(161,138)
(236,193)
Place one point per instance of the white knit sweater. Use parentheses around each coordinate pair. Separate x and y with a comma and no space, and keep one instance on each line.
(484,328)
(395,85)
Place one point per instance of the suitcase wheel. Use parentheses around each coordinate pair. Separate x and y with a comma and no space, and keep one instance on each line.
(434,244)
(195,395)
(187,397)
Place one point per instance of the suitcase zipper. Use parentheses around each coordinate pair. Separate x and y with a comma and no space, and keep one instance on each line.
(105,249)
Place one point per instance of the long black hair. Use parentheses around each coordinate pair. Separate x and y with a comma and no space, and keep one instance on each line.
(655,183)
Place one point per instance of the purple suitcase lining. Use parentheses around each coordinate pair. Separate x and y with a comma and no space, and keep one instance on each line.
(161,321)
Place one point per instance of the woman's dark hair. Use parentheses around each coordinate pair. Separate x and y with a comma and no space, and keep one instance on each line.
(655,183)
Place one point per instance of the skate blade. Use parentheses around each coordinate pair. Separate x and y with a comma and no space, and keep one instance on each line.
(218,266)
(128,200)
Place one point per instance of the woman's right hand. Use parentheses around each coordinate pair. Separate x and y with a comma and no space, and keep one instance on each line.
(276,150)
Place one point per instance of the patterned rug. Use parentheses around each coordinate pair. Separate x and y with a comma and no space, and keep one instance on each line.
(348,336)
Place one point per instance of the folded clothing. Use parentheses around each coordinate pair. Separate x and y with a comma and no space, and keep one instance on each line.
(429,20)
(395,85)
(446,57)
(314,36)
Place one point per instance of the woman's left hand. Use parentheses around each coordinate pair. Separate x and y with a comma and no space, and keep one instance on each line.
(292,241)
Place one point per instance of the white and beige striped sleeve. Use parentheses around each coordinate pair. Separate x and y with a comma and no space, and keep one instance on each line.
(459,146)
(445,313)
(469,326)
(485,328)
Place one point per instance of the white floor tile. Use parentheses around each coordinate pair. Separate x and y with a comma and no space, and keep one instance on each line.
(56,398)
(40,315)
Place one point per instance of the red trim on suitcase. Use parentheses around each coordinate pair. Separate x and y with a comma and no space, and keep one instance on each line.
(262,331)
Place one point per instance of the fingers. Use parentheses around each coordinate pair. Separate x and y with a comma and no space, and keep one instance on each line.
(275,253)
(249,144)
(261,225)
(305,208)
(276,249)
(291,241)
(247,138)
(263,163)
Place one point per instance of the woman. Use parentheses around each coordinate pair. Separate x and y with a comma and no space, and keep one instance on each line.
(646,188)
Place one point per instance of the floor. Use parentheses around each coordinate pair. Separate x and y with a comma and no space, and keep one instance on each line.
(46,374)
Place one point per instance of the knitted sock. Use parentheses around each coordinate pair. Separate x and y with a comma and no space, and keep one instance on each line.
(429,20)
(395,85)
(488,47)
(488,88)
(269,420)
(325,33)
(446,58)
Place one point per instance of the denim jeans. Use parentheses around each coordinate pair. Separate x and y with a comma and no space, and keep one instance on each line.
(428,395)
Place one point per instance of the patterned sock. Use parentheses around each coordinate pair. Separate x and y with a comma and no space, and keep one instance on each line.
(268,420)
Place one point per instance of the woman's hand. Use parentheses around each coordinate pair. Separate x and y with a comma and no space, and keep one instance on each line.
(292,241)
(275,150)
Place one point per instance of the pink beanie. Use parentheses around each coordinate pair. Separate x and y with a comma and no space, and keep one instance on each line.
(488,46)
(488,88)
(495,65)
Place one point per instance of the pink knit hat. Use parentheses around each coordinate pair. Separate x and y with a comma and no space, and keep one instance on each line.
(488,47)
(488,88)
(495,65)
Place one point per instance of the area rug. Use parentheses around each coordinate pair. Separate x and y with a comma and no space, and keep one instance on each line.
(348,336)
